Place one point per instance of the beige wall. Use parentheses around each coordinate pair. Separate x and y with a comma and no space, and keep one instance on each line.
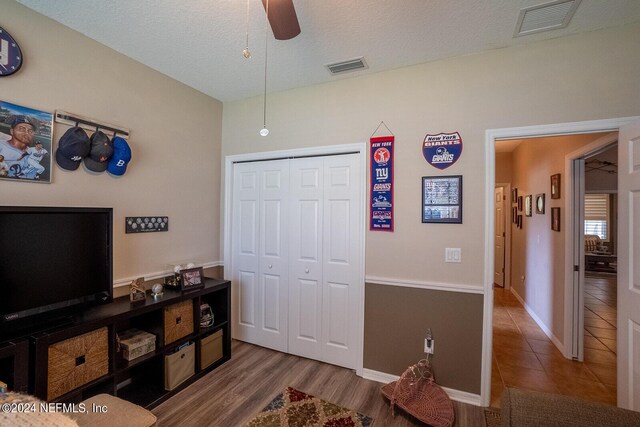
(537,252)
(503,167)
(583,77)
(175,139)
(560,80)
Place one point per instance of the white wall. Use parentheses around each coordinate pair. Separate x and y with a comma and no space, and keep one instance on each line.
(583,77)
(175,139)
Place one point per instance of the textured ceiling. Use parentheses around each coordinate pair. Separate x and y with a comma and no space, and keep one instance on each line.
(200,42)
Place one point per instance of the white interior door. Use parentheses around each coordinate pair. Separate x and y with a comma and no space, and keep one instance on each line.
(577,297)
(260,252)
(629,266)
(499,236)
(341,258)
(305,268)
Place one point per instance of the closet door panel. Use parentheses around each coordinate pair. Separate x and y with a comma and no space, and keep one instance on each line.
(274,254)
(247,287)
(305,302)
(308,327)
(260,253)
(337,302)
(245,252)
(342,286)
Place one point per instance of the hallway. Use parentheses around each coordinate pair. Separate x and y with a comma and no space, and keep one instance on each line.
(524,357)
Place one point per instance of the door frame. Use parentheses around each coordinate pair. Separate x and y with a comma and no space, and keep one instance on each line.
(491,135)
(507,233)
(360,149)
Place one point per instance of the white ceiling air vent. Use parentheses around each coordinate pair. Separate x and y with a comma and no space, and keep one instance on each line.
(348,65)
(545,17)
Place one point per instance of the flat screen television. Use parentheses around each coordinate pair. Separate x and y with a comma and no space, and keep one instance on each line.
(53,258)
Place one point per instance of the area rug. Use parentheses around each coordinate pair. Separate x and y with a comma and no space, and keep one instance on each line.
(492,418)
(293,408)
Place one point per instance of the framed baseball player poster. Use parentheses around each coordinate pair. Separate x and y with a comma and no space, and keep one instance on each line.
(25,143)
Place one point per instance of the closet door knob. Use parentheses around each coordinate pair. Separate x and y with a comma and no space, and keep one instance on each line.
(306,270)
(270,266)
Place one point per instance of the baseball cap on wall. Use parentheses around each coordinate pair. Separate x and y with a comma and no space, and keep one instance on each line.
(121,157)
(73,146)
(100,153)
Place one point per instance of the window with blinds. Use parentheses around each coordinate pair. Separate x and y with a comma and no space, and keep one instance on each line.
(596,215)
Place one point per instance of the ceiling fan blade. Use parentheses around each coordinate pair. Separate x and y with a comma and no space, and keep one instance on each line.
(282,18)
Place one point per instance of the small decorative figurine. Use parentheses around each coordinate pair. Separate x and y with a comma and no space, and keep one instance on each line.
(156,290)
(136,292)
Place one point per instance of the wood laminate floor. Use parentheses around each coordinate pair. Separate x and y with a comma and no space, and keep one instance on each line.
(239,389)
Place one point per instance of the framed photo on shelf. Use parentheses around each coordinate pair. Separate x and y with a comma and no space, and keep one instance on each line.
(442,199)
(540,203)
(555,219)
(191,278)
(528,208)
(555,186)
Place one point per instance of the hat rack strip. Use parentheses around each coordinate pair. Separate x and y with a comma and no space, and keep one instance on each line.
(90,124)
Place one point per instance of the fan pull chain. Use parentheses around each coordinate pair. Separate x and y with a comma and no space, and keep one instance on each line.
(246,52)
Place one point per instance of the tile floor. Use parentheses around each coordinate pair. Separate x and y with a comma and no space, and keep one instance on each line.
(524,357)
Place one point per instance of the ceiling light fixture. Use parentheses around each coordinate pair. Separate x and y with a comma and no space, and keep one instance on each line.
(264,131)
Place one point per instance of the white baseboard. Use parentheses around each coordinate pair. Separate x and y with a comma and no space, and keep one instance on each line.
(457,395)
(539,322)
(381,377)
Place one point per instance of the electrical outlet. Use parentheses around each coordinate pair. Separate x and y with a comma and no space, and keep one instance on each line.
(428,342)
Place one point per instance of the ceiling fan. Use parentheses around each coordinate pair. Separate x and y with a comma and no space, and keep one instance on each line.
(282,18)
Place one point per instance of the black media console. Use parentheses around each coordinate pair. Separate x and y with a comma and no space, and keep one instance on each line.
(82,358)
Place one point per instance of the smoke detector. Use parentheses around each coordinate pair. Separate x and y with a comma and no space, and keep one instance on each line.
(545,17)
(348,65)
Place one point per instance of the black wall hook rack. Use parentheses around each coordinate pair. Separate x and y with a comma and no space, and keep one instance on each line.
(90,124)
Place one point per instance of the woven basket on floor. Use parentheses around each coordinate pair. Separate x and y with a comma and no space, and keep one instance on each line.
(417,393)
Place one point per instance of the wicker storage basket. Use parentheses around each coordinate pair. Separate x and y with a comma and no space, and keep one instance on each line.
(77,361)
(178,321)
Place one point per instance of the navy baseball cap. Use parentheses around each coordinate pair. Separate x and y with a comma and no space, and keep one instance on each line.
(100,153)
(72,148)
(121,157)
(23,119)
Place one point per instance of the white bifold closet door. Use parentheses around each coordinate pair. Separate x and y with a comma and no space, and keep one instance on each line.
(314,297)
(260,251)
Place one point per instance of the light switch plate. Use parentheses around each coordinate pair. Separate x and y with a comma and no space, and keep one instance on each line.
(453,255)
